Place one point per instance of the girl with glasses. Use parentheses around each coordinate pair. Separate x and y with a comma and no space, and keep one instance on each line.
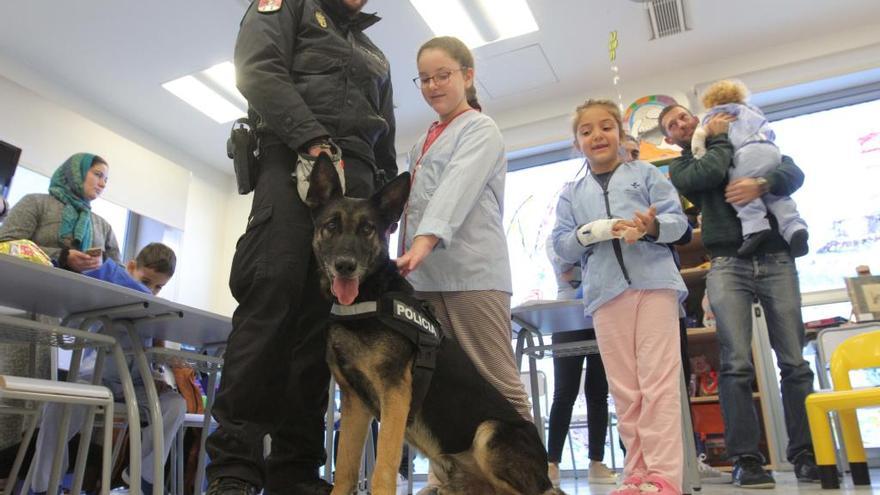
(455,248)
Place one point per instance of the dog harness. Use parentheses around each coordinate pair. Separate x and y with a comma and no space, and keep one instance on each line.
(411,318)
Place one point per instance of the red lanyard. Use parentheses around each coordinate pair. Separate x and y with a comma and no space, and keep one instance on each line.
(434,132)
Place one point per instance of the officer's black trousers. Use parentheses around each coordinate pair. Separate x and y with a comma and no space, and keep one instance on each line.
(275,376)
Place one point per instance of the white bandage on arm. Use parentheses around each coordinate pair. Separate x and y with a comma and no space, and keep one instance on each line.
(698,142)
(596,231)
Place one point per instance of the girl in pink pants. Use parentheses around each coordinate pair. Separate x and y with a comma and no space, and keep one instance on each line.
(617,222)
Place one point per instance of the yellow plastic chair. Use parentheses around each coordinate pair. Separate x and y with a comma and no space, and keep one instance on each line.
(857,352)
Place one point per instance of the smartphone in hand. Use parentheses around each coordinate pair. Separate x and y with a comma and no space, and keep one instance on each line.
(95,252)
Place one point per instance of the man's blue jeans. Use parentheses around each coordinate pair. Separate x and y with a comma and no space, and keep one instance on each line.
(733,284)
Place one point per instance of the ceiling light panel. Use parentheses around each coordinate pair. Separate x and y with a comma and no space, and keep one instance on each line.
(509,17)
(477,22)
(204,99)
(449,18)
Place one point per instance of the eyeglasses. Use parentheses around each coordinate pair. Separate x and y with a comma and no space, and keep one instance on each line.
(440,78)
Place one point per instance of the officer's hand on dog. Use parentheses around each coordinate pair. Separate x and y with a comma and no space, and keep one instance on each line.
(318,146)
(421,248)
(317,149)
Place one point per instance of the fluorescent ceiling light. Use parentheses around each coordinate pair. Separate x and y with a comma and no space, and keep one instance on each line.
(509,17)
(477,22)
(204,99)
(449,18)
(223,75)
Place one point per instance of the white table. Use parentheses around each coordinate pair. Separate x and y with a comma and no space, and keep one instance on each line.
(84,301)
(534,320)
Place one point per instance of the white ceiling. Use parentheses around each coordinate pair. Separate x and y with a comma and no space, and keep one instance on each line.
(112,56)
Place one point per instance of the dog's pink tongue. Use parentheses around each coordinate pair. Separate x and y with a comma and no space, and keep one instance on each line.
(345,289)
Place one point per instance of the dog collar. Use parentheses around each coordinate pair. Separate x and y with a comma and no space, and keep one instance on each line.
(367,308)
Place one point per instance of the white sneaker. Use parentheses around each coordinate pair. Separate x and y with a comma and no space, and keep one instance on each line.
(553,473)
(709,475)
(600,474)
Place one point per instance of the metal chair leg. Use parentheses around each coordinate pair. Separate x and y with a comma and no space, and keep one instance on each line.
(22,450)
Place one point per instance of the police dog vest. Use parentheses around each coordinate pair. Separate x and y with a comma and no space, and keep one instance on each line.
(413,319)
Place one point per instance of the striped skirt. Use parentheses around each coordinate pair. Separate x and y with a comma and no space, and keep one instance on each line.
(480,322)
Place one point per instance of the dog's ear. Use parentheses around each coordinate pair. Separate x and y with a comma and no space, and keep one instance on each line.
(324,182)
(391,199)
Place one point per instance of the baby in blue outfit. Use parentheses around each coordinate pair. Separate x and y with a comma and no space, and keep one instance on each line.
(755,155)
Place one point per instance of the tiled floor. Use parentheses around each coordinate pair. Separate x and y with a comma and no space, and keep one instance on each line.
(785,484)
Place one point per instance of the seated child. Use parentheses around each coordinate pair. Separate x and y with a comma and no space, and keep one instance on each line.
(148,272)
(755,155)
(153,267)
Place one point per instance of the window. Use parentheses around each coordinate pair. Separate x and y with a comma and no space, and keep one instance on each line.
(529,216)
(116,216)
(26,182)
(146,230)
(839,152)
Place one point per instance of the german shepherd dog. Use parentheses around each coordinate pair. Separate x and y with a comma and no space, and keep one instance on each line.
(478,444)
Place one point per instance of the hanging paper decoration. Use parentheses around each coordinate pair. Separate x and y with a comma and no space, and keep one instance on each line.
(613,43)
(612,46)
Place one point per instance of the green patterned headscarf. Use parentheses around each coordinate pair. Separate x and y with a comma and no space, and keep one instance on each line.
(76,217)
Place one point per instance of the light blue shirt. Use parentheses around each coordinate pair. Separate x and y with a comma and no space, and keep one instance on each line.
(458,196)
(634,186)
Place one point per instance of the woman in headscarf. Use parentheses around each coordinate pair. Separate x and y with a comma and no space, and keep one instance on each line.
(62,223)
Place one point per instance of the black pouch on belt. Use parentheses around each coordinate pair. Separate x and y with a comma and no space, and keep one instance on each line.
(243,148)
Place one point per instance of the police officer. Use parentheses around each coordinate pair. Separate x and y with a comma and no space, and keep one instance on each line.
(311,77)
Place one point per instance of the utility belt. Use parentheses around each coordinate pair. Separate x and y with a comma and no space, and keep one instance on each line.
(244,148)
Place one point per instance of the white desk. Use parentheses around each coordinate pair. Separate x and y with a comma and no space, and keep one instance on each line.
(536,319)
(82,300)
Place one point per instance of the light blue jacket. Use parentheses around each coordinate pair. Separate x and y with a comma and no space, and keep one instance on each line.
(750,126)
(634,186)
(458,196)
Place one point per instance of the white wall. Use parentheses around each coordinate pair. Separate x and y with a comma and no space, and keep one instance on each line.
(237,209)
(146,177)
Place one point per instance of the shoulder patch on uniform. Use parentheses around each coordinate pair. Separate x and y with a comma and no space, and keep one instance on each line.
(322,20)
(268,6)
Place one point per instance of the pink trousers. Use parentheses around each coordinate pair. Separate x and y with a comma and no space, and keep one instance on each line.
(638,338)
